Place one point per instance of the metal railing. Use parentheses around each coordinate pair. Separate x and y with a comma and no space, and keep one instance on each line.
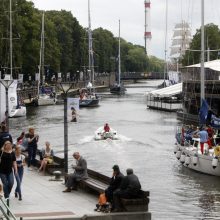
(4,208)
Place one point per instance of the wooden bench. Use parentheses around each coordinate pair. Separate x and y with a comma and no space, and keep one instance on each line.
(58,163)
(98,182)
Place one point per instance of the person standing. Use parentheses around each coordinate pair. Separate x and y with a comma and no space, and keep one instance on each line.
(80,172)
(129,189)
(20,160)
(32,147)
(7,166)
(4,136)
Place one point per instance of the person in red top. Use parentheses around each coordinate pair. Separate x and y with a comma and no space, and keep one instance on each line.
(106,128)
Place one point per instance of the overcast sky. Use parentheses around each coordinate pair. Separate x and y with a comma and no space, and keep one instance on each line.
(106,13)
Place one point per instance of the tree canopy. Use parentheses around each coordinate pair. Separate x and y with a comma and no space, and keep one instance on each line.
(66,43)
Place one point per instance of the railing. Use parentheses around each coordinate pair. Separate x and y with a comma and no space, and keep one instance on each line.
(4,208)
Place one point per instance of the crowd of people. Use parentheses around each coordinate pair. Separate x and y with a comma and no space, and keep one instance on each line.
(12,163)
(206,134)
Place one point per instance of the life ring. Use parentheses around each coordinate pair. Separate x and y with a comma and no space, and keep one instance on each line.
(217,151)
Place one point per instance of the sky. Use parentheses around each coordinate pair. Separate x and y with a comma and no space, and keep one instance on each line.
(106,13)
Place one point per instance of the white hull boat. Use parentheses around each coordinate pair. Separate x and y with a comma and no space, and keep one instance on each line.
(17,112)
(192,158)
(100,134)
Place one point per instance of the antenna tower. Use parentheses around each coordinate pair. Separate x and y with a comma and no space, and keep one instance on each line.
(147,31)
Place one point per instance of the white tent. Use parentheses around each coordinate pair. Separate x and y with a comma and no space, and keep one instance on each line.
(213,65)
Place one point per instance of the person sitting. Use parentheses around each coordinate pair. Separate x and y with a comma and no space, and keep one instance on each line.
(115,183)
(47,157)
(106,128)
(129,189)
(80,172)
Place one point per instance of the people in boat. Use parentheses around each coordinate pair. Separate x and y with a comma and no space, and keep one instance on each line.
(73,112)
(203,135)
(130,189)
(106,128)
(80,172)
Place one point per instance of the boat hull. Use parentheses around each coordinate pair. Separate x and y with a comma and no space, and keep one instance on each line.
(118,90)
(204,162)
(18,112)
(88,102)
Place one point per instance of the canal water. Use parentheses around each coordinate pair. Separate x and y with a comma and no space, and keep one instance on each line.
(146,145)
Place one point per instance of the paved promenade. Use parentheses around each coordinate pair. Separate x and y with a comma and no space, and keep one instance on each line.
(43,198)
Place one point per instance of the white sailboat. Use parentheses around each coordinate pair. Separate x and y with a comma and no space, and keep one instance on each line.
(191,156)
(88,98)
(15,108)
(44,97)
(118,88)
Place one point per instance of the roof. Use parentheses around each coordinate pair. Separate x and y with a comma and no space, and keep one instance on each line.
(213,65)
(167,91)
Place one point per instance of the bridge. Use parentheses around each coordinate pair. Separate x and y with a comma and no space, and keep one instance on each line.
(142,75)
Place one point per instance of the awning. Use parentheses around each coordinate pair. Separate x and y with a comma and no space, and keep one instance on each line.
(167,91)
(213,65)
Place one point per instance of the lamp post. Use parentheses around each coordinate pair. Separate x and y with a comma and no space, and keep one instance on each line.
(65,91)
(6,82)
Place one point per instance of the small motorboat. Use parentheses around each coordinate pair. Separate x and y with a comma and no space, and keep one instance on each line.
(100,134)
(17,112)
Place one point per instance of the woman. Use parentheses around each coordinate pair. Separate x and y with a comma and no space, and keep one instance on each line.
(47,155)
(73,114)
(20,160)
(32,147)
(7,166)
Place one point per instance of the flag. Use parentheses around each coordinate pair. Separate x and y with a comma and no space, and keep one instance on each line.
(203,112)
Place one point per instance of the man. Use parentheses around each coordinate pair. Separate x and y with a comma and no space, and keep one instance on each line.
(106,128)
(115,183)
(80,172)
(130,189)
(4,136)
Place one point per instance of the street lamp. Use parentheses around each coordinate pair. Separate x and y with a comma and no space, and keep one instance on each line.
(6,82)
(60,86)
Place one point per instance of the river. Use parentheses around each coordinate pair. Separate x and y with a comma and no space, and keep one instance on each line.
(146,145)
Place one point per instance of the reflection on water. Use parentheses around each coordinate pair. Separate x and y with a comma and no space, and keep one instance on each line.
(146,144)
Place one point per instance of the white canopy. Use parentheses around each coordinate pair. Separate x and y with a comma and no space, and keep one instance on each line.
(213,65)
(167,91)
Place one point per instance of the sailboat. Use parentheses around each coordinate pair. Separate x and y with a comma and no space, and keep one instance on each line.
(46,95)
(118,88)
(88,97)
(189,152)
(15,108)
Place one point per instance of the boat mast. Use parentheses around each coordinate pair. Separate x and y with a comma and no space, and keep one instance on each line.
(119,56)
(165,50)
(91,60)
(41,64)
(202,83)
(10,36)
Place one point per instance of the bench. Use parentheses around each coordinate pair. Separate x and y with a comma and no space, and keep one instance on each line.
(97,183)
(58,163)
